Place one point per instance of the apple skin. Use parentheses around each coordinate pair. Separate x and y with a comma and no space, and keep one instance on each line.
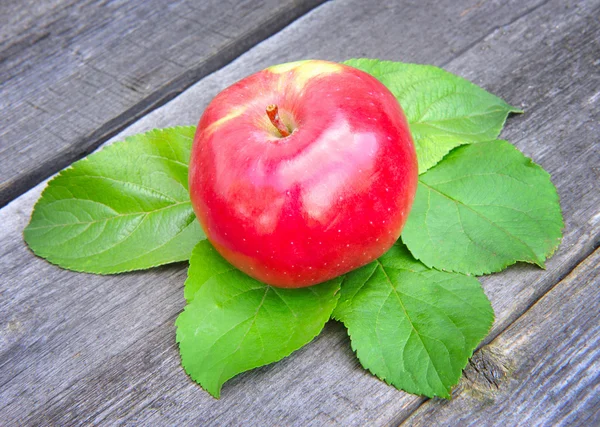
(299,210)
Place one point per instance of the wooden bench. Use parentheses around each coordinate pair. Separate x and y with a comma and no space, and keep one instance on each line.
(86,349)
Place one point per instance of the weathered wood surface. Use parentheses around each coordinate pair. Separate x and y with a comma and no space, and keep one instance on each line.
(75,72)
(81,348)
(546,365)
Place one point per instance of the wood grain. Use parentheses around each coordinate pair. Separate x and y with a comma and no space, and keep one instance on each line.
(73,73)
(80,348)
(543,370)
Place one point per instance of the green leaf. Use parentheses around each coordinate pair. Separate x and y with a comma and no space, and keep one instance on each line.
(411,326)
(124,208)
(442,109)
(234,323)
(484,207)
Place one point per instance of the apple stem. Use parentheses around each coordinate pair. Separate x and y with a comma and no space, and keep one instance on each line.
(273,113)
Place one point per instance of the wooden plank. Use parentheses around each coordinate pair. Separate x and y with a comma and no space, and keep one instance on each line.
(543,370)
(84,348)
(73,73)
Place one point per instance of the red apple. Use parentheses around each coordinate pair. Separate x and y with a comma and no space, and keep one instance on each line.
(302,172)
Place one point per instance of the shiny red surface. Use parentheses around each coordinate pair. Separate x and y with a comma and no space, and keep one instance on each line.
(331,197)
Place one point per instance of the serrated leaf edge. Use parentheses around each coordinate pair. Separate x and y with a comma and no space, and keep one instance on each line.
(132,140)
(483,272)
(383,377)
(217,393)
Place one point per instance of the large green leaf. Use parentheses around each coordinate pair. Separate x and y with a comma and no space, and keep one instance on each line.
(124,208)
(484,207)
(234,323)
(412,326)
(442,109)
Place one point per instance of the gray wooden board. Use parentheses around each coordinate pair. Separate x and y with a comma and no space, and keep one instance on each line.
(73,73)
(88,348)
(545,366)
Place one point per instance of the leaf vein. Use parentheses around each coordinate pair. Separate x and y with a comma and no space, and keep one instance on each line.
(458,202)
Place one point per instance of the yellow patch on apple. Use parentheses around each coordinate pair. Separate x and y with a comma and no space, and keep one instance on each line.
(235,112)
(306,70)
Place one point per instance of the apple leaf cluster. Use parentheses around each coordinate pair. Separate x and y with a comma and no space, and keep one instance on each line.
(414,316)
